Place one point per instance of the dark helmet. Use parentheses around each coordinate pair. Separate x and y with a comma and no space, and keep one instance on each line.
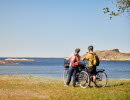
(90,47)
(77,50)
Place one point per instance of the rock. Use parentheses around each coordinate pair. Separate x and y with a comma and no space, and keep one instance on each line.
(112,55)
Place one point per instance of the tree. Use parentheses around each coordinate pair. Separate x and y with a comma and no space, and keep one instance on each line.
(123,6)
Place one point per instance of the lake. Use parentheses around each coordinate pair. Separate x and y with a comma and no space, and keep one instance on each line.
(53,68)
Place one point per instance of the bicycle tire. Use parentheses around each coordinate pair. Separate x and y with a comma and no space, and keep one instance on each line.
(101,79)
(65,75)
(83,79)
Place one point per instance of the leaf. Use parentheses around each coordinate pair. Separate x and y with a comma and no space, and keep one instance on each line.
(117,5)
(106,8)
(112,2)
(105,12)
(116,14)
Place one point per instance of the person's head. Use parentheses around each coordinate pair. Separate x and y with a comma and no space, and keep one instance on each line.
(90,48)
(77,50)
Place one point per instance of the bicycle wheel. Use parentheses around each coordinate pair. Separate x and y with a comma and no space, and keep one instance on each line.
(83,79)
(65,75)
(101,79)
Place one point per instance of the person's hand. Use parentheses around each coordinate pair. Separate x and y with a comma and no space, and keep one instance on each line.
(87,52)
(84,59)
(65,58)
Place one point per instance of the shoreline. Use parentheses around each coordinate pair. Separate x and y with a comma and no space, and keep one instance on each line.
(113,60)
(53,78)
(28,59)
(7,63)
(49,78)
(19,59)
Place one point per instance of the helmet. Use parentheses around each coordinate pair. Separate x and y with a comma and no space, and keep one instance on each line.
(77,50)
(90,47)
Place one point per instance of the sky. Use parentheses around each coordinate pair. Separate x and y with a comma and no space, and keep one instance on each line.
(54,28)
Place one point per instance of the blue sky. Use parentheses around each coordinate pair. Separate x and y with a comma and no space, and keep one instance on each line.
(54,28)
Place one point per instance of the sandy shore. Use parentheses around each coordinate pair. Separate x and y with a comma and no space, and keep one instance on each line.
(6,63)
(30,60)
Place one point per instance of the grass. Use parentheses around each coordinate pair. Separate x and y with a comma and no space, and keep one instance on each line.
(38,88)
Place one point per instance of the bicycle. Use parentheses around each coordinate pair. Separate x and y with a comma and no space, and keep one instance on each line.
(83,78)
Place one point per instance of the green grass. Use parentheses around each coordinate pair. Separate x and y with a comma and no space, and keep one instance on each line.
(38,88)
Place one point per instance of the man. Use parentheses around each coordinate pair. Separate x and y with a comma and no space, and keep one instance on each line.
(91,66)
(73,67)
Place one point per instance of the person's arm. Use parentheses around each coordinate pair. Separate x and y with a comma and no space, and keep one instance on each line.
(87,57)
(79,57)
(68,58)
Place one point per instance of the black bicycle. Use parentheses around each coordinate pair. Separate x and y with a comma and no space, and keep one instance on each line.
(82,76)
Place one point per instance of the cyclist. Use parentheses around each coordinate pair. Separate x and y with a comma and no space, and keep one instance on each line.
(73,67)
(91,67)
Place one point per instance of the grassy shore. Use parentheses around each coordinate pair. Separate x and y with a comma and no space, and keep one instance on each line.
(37,88)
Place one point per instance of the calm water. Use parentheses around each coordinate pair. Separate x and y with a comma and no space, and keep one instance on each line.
(53,67)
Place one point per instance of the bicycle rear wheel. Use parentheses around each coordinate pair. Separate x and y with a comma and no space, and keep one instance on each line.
(101,79)
(83,79)
(65,75)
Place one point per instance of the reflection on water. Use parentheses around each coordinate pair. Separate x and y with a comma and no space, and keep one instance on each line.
(53,67)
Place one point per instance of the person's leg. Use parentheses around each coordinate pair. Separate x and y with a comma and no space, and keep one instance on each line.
(94,76)
(94,80)
(77,80)
(90,75)
(74,76)
(70,73)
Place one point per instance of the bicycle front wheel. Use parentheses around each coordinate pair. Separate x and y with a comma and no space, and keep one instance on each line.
(83,79)
(65,75)
(101,79)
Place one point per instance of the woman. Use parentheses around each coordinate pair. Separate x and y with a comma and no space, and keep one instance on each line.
(73,67)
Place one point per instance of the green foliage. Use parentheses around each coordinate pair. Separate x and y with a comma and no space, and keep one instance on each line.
(122,6)
(116,50)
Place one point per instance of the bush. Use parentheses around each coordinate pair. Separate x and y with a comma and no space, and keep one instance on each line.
(116,50)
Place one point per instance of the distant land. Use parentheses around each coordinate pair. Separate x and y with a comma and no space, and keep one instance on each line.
(5,61)
(112,55)
(18,59)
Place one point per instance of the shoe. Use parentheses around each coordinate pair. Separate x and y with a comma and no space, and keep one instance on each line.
(77,82)
(95,86)
(73,86)
(89,86)
(66,85)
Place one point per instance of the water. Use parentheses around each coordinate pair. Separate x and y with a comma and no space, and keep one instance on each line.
(53,67)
